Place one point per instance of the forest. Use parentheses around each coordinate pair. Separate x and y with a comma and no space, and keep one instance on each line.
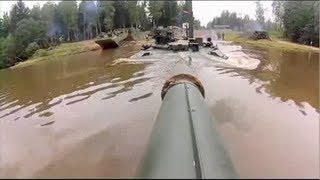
(296,20)
(23,31)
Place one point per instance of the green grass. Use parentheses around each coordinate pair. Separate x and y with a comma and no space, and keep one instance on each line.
(276,42)
(64,49)
(276,34)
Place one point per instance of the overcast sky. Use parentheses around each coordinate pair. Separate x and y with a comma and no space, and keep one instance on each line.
(205,11)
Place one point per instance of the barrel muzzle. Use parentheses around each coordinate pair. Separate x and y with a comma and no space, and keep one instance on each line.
(181,78)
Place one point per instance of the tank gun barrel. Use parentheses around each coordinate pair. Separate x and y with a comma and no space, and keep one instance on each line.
(184,142)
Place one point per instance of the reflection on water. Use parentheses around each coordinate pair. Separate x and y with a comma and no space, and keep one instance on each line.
(44,81)
(56,105)
(268,117)
(292,76)
(90,115)
(288,75)
(225,110)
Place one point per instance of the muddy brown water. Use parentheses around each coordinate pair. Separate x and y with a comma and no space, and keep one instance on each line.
(90,115)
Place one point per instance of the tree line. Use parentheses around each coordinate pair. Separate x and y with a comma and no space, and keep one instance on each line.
(296,20)
(234,22)
(23,31)
(244,23)
(299,20)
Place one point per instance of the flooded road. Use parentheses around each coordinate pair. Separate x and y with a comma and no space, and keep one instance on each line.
(90,115)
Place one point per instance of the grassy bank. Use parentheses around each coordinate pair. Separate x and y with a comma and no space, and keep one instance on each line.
(64,49)
(276,42)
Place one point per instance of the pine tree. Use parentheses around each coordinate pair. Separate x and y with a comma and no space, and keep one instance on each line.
(18,12)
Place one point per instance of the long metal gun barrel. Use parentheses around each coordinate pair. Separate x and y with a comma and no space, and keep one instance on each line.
(184,142)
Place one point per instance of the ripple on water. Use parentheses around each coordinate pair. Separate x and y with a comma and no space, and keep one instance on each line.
(141,97)
(42,107)
(287,75)
(46,114)
(71,78)
(15,109)
(258,128)
(78,100)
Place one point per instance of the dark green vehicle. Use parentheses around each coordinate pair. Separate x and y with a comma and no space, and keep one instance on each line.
(184,142)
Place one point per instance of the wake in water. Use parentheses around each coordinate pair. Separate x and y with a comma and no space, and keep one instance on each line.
(236,57)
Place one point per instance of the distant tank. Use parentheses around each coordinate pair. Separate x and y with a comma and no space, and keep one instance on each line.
(260,35)
(112,40)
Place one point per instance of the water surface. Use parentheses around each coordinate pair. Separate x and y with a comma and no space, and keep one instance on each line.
(90,115)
